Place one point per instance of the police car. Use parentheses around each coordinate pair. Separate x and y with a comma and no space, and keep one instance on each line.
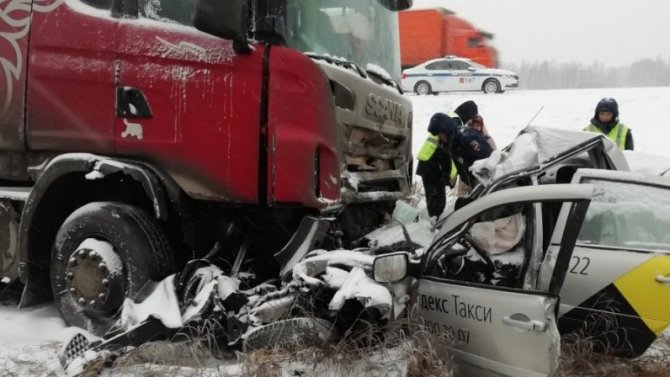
(456,74)
(553,248)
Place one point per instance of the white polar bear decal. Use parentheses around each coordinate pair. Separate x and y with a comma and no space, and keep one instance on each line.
(132,129)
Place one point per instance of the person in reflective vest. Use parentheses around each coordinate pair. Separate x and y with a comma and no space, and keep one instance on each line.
(466,111)
(463,114)
(606,121)
(434,165)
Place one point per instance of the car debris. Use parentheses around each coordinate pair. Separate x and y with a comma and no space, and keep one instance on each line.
(323,296)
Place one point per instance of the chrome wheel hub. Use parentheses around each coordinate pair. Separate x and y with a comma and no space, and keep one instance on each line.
(95,278)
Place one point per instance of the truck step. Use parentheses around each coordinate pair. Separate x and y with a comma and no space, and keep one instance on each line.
(15,193)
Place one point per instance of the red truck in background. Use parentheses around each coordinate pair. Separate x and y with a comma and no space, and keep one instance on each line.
(434,33)
(134,138)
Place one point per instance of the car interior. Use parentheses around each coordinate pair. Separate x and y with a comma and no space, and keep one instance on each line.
(493,250)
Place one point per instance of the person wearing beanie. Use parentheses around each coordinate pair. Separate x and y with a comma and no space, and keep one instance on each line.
(466,111)
(606,121)
(435,165)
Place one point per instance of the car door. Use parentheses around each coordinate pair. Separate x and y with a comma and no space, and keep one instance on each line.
(617,292)
(438,75)
(463,77)
(473,287)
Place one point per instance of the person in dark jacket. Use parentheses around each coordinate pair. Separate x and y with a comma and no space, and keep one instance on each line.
(434,165)
(468,146)
(465,112)
(606,121)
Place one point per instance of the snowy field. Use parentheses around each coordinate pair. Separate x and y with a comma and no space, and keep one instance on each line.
(30,338)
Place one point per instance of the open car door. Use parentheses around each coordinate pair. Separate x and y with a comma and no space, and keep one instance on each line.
(481,279)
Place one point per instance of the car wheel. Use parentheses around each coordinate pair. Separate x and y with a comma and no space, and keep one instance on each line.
(423,88)
(491,86)
(103,253)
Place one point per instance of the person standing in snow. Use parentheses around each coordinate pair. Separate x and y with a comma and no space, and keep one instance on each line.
(461,189)
(435,165)
(606,121)
(462,114)
(467,146)
(465,111)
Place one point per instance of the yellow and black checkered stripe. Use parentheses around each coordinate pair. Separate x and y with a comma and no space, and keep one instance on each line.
(626,316)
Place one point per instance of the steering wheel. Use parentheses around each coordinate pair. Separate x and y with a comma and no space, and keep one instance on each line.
(490,266)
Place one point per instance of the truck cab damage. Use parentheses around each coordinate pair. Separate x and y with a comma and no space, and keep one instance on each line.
(193,135)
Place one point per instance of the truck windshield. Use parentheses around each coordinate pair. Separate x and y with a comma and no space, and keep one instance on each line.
(361,31)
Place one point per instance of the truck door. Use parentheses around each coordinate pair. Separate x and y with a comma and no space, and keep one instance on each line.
(187,101)
(70,97)
(14,28)
(473,289)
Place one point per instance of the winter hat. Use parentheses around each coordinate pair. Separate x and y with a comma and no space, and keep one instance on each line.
(467,110)
(441,123)
(609,105)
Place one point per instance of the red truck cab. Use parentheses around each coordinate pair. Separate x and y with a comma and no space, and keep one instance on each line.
(121,113)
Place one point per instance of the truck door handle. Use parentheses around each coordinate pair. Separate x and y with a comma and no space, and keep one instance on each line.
(663,279)
(523,322)
(131,103)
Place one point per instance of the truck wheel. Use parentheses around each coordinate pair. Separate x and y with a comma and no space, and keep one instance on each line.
(491,86)
(103,253)
(422,88)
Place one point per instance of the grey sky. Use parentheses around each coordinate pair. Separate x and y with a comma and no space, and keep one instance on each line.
(614,32)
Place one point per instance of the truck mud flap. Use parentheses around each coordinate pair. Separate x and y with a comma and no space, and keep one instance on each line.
(309,235)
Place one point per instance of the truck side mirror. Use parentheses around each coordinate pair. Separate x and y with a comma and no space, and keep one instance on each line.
(390,268)
(226,19)
(396,5)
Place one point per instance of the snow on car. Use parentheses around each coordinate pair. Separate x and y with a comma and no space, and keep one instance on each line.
(548,247)
(454,74)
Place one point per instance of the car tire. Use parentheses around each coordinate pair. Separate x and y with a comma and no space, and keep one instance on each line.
(423,88)
(491,86)
(127,241)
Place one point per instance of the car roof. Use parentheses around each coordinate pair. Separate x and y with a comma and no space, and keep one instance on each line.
(448,58)
(538,147)
(529,193)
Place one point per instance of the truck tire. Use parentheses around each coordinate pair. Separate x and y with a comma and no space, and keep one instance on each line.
(423,88)
(491,86)
(103,253)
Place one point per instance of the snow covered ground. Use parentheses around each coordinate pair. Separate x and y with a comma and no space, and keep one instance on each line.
(30,338)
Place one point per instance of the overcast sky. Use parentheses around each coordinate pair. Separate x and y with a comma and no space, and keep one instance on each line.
(614,32)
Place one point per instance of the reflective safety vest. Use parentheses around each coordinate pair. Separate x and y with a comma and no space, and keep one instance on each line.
(452,114)
(617,134)
(453,173)
(428,148)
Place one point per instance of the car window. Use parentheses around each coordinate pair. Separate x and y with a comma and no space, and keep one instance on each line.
(627,215)
(169,11)
(492,250)
(437,65)
(100,4)
(460,65)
